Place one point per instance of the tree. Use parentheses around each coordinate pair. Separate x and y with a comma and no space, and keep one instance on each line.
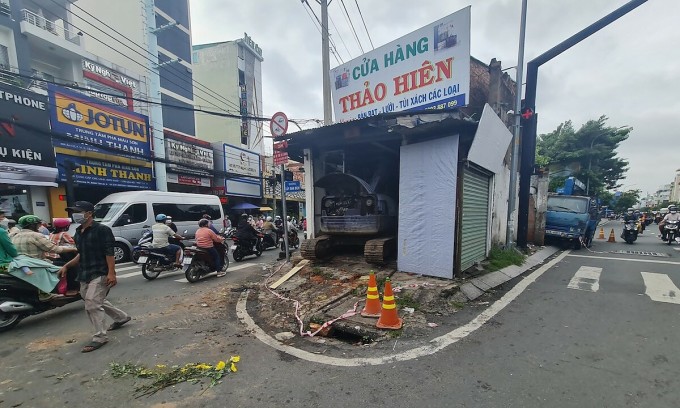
(589,151)
(626,200)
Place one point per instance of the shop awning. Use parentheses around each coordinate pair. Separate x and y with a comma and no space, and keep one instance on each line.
(266,209)
(245,206)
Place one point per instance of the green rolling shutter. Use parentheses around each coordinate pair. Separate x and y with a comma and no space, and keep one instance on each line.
(475,220)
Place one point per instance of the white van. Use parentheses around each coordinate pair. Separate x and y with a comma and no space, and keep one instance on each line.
(130,213)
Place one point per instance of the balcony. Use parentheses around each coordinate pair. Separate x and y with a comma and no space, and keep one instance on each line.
(40,31)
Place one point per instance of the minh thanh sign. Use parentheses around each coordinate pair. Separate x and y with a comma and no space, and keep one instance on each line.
(426,69)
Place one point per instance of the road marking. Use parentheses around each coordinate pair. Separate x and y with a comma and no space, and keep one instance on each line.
(128,275)
(128,268)
(230,269)
(586,278)
(625,259)
(435,345)
(660,288)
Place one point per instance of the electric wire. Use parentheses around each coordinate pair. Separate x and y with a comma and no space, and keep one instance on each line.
(364,21)
(332,47)
(351,24)
(204,87)
(340,35)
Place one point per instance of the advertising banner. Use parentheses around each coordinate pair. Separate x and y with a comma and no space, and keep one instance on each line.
(95,122)
(94,172)
(198,158)
(26,155)
(244,162)
(188,180)
(427,69)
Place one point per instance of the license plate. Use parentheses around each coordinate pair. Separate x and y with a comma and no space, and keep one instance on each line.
(233,247)
(142,259)
(187,260)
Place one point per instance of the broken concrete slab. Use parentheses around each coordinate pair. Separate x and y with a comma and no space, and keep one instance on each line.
(470,291)
(492,279)
(513,271)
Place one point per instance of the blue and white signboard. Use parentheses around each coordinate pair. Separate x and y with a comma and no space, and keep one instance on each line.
(239,161)
(293,186)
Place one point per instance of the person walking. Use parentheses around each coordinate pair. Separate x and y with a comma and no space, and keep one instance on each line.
(97,273)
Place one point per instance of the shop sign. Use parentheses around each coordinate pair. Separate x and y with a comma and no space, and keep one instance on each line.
(88,120)
(188,180)
(242,162)
(252,44)
(199,159)
(26,155)
(427,69)
(93,172)
(107,73)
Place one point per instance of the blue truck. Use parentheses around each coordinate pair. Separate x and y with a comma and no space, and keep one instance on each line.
(571,217)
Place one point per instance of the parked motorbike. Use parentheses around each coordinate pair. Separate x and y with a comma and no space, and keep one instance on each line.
(198,262)
(293,240)
(630,231)
(670,231)
(156,260)
(240,250)
(19,300)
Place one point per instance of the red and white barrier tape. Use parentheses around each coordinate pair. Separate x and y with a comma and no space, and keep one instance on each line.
(296,303)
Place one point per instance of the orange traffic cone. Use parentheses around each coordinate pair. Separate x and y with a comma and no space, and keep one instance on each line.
(389,319)
(601,236)
(611,236)
(372,308)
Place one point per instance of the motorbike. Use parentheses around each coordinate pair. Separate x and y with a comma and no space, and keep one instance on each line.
(293,240)
(147,237)
(630,231)
(19,300)
(155,260)
(229,232)
(239,250)
(198,262)
(671,232)
(268,241)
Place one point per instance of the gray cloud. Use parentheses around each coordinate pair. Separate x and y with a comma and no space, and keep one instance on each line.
(628,71)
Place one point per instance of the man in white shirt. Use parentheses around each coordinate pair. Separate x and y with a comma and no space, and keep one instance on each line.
(161,233)
(672,215)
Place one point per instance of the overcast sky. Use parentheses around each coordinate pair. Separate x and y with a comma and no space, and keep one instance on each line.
(629,71)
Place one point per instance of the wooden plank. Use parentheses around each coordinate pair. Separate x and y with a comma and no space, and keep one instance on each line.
(290,273)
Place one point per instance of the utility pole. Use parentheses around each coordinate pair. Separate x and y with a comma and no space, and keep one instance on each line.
(156,111)
(284,218)
(510,230)
(326,65)
(529,132)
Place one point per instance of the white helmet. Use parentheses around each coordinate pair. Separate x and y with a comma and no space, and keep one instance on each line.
(288,218)
(269,219)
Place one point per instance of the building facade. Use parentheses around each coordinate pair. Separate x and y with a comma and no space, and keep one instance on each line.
(233,70)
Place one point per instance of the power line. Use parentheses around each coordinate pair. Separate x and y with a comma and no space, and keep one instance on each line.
(364,21)
(205,88)
(349,20)
(332,47)
(340,35)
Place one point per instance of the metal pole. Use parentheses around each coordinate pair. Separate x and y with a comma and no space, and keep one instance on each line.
(510,230)
(284,218)
(69,168)
(326,65)
(155,110)
(528,142)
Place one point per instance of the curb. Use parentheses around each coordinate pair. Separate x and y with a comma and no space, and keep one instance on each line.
(476,287)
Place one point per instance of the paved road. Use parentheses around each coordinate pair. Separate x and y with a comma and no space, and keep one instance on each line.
(599,329)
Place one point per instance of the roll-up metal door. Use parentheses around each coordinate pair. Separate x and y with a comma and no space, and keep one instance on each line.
(475,219)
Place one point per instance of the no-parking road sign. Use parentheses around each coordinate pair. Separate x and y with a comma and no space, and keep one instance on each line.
(279,124)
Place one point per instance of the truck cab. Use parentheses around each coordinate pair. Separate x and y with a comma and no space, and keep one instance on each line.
(571,218)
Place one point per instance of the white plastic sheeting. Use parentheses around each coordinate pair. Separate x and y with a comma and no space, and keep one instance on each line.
(427,203)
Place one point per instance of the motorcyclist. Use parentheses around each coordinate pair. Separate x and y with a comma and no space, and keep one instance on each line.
(161,235)
(246,233)
(672,215)
(630,215)
(211,226)
(173,227)
(206,239)
(268,228)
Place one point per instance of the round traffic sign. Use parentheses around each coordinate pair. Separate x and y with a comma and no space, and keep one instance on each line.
(279,124)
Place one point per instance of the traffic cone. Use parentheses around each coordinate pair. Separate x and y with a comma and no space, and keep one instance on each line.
(611,237)
(601,236)
(372,307)
(389,319)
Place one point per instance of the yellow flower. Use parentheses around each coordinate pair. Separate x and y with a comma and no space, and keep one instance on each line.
(203,366)
(220,366)
(233,367)
(161,366)
(235,359)
(183,370)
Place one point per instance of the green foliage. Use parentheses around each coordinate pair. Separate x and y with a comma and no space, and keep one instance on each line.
(590,151)
(555,182)
(406,300)
(499,258)
(626,200)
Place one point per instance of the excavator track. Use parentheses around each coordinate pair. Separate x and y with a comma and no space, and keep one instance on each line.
(316,248)
(379,250)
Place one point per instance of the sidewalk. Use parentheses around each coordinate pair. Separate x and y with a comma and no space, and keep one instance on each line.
(325,291)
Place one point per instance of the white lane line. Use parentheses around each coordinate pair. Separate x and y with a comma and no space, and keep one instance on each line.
(435,345)
(230,269)
(660,288)
(128,268)
(586,278)
(128,275)
(625,259)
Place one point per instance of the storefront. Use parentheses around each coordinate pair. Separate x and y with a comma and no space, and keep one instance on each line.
(27,163)
(243,181)
(106,147)
(191,164)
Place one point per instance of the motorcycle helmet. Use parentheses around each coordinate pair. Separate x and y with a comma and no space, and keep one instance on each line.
(288,218)
(672,209)
(29,219)
(61,222)
(269,219)
(161,218)
(206,217)
(278,217)
(244,216)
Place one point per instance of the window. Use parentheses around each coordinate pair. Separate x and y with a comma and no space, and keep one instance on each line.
(187,212)
(4,57)
(137,213)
